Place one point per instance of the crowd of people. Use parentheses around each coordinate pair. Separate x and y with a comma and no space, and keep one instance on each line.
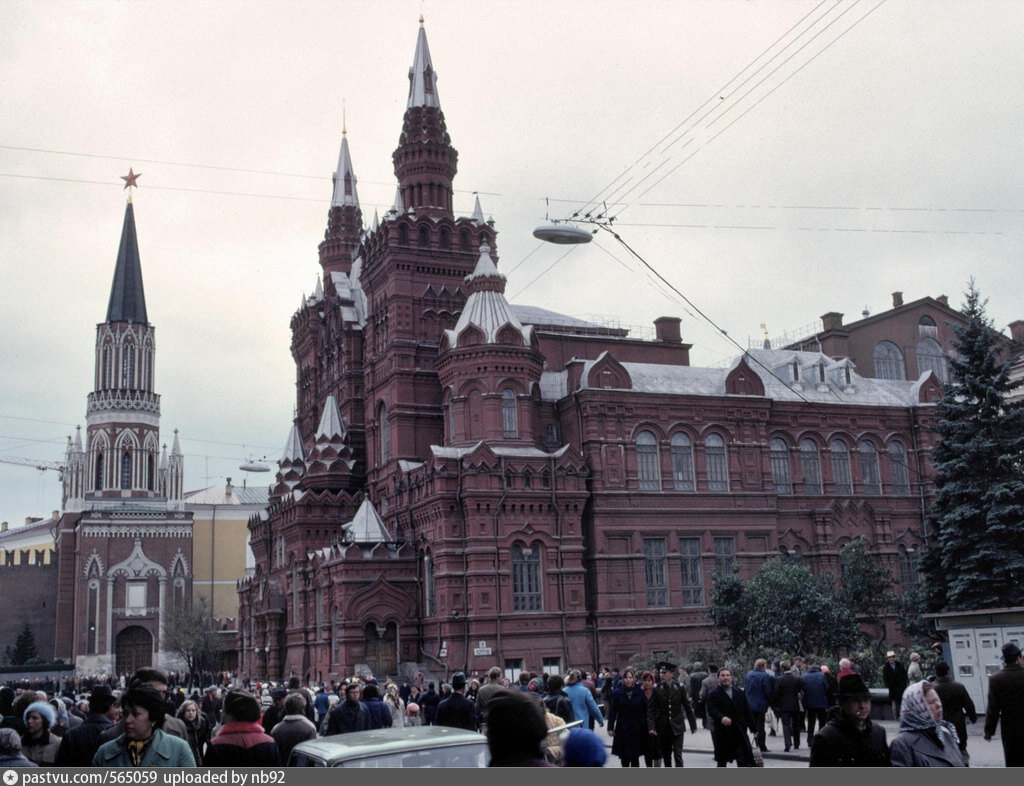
(540,720)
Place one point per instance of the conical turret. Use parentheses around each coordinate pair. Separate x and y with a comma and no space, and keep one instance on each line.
(345,219)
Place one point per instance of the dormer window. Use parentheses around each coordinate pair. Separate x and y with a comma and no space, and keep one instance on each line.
(796,371)
(428,81)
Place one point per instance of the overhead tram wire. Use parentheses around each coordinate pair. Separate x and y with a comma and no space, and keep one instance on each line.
(600,197)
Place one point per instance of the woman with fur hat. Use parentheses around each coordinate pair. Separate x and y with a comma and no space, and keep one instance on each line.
(38,744)
(144,742)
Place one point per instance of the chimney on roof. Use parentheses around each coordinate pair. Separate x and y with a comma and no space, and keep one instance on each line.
(31,520)
(831,320)
(3,526)
(56,515)
(667,329)
(943,299)
(897,299)
(1017,330)
(227,489)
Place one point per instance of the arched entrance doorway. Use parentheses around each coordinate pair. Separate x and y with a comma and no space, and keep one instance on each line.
(134,649)
(381,648)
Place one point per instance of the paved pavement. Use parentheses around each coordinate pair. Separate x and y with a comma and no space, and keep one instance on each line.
(697,748)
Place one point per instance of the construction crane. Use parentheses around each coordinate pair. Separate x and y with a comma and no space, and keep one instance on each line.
(40,465)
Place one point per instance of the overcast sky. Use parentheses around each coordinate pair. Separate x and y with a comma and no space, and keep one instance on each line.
(775,159)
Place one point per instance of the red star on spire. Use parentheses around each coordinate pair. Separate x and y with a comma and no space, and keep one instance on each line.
(130,178)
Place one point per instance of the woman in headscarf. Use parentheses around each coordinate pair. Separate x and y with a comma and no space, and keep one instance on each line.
(197,726)
(925,739)
(144,743)
(38,744)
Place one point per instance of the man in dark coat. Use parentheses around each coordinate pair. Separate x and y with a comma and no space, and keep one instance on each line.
(668,710)
(850,739)
(380,714)
(1006,703)
(788,689)
(759,688)
(957,705)
(429,702)
(81,743)
(731,718)
(275,712)
(350,714)
(457,710)
(894,676)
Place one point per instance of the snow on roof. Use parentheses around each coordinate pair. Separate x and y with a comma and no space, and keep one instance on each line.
(344,178)
(293,450)
(554,385)
(535,315)
(331,424)
(366,526)
(422,77)
(217,495)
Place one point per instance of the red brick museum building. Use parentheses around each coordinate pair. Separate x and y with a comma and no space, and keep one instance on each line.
(470,482)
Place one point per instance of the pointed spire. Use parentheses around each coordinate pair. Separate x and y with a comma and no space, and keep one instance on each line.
(367,527)
(176,447)
(376,221)
(331,424)
(478,213)
(127,297)
(163,458)
(397,207)
(318,293)
(422,78)
(78,438)
(344,176)
(485,266)
(293,450)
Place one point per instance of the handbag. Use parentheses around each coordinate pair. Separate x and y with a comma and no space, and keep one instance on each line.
(755,751)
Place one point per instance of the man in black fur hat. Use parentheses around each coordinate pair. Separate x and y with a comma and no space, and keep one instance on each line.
(850,739)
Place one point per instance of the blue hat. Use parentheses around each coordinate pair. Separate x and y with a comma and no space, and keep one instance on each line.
(583,748)
(44,709)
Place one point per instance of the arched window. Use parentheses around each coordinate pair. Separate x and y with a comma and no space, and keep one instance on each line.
(148,374)
(682,462)
(335,636)
(647,462)
(910,577)
(841,479)
(423,236)
(810,466)
(717,466)
(98,485)
(446,238)
(107,372)
(128,366)
(926,327)
(508,414)
(869,468)
(150,473)
(451,421)
(126,470)
(526,588)
(888,361)
(930,357)
(778,453)
(898,468)
(429,592)
(385,434)
(403,234)
(464,239)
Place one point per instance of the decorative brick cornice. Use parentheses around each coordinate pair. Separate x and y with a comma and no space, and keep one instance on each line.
(135,531)
(121,399)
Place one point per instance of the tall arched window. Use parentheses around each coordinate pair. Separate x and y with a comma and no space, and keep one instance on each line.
(841,479)
(451,421)
(126,470)
(128,366)
(526,587)
(107,372)
(335,636)
(717,466)
(682,462)
(810,466)
(869,468)
(888,361)
(930,357)
(385,435)
(910,578)
(429,591)
(648,472)
(150,473)
(898,468)
(509,429)
(98,485)
(778,453)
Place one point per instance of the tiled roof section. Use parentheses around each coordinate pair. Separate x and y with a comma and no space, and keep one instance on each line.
(486,307)
(542,317)
(293,450)
(127,297)
(331,425)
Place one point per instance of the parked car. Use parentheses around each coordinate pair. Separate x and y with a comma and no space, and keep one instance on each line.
(410,746)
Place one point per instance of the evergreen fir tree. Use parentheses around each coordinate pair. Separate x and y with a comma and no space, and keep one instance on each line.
(24,647)
(975,557)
